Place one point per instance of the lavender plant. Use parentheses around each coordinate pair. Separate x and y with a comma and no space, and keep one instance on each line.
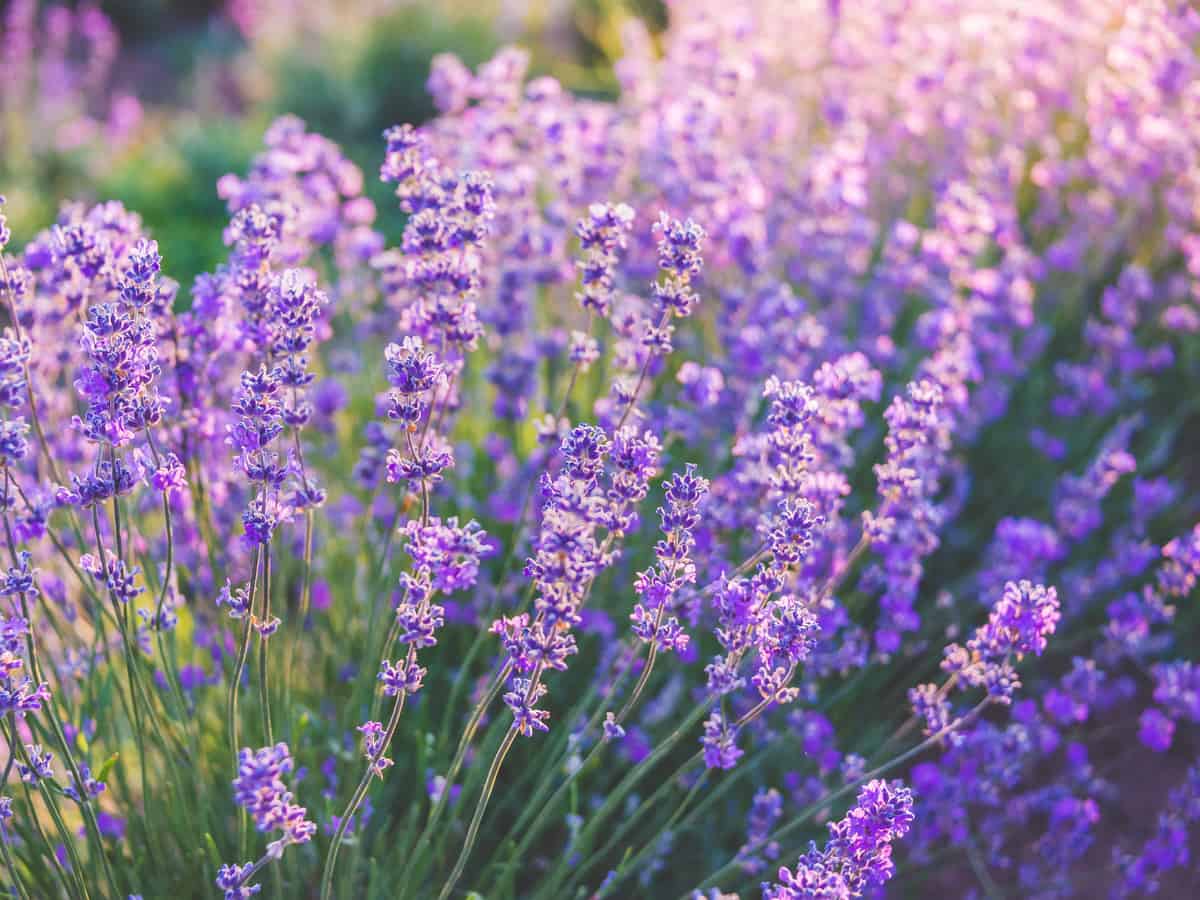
(771,482)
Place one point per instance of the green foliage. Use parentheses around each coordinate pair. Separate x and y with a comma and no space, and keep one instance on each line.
(172,183)
(356,84)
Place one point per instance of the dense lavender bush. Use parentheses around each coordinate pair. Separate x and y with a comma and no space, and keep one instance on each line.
(775,482)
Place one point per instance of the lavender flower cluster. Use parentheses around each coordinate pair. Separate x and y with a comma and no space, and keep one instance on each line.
(772,482)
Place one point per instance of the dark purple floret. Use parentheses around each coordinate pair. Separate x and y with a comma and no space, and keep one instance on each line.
(231,879)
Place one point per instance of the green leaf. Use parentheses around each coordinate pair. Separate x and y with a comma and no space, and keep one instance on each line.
(214,855)
(106,766)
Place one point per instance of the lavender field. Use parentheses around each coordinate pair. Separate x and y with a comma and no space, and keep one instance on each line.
(600,449)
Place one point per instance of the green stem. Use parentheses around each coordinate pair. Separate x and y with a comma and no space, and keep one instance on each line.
(359,794)
(302,613)
(489,785)
(231,706)
(169,664)
(464,742)
(264,691)
(831,796)
(52,704)
(56,865)
(618,794)
(632,864)
(388,642)
(51,801)
(637,388)
(18,884)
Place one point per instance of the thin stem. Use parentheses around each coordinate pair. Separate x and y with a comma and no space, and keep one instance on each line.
(231,706)
(170,669)
(650,803)
(36,669)
(616,795)
(18,884)
(637,388)
(911,721)
(56,864)
(122,614)
(258,867)
(374,589)
(388,642)
(979,866)
(373,760)
(646,670)
(359,794)
(632,864)
(89,814)
(566,398)
(528,835)
(460,754)
(8,860)
(264,692)
(528,830)
(302,613)
(831,796)
(489,785)
(75,870)
(202,511)
(412,452)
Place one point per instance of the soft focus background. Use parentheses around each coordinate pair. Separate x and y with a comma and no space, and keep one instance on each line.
(150,103)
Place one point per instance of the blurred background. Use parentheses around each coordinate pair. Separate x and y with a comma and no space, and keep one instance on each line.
(151,101)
